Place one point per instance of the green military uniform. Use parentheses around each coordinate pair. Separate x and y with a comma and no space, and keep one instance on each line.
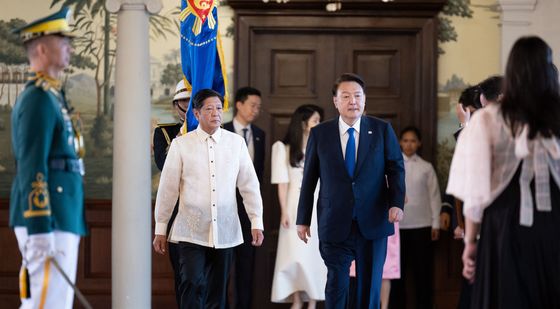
(46,203)
(47,192)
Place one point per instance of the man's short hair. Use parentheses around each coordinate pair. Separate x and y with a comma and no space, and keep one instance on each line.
(244,92)
(203,94)
(30,48)
(347,77)
(31,45)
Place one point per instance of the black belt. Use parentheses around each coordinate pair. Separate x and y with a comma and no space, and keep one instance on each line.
(69,165)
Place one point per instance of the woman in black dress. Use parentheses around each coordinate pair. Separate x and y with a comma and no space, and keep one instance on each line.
(506,169)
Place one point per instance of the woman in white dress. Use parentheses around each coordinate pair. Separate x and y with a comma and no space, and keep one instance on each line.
(300,274)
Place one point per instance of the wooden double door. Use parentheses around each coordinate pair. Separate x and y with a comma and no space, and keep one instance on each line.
(295,60)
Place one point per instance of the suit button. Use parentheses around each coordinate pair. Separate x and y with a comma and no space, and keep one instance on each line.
(353,183)
(59,189)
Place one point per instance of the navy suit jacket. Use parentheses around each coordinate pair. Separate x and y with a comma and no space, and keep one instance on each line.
(377,184)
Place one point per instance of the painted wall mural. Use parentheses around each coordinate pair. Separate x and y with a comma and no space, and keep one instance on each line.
(469,48)
(89,81)
(469,52)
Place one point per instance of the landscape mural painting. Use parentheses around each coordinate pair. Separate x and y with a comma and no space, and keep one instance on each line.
(469,44)
(89,81)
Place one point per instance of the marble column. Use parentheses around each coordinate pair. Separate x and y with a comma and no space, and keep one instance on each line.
(131,212)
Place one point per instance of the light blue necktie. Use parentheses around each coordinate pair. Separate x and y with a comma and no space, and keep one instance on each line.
(350,157)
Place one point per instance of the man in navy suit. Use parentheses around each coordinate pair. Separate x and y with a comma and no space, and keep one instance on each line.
(360,165)
(247,109)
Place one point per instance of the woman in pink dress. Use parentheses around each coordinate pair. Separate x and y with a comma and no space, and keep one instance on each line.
(392,266)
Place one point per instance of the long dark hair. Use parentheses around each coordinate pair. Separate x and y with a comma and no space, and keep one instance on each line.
(294,136)
(531,94)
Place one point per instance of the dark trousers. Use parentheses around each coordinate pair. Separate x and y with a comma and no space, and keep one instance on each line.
(369,256)
(416,283)
(352,294)
(244,259)
(465,296)
(204,273)
(174,256)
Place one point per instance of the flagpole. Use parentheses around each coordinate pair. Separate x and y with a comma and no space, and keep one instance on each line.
(131,212)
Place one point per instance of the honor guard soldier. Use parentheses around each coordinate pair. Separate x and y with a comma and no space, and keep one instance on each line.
(163,135)
(46,202)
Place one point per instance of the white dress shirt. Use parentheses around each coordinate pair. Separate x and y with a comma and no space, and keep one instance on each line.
(238,128)
(343,130)
(486,158)
(203,171)
(422,192)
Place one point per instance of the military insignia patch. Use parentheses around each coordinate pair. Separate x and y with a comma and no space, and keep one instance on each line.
(38,200)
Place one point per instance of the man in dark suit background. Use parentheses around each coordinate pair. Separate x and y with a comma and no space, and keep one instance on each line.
(360,165)
(247,109)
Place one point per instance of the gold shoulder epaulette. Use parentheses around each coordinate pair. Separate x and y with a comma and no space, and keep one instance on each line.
(46,82)
(167,124)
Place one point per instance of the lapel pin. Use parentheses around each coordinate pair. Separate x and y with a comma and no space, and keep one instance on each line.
(258,138)
(369,132)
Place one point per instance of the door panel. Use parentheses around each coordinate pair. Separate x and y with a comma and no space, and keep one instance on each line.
(290,70)
(386,63)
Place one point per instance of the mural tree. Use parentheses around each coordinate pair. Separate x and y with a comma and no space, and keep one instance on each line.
(11,50)
(94,11)
(171,74)
(447,32)
(98,40)
(172,71)
(91,47)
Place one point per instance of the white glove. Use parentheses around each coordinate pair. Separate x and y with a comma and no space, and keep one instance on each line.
(39,246)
